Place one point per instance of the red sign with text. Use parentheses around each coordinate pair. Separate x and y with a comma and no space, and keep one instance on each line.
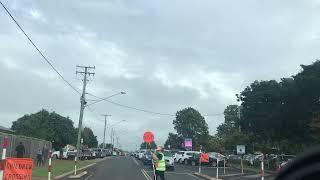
(148,137)
(18,168)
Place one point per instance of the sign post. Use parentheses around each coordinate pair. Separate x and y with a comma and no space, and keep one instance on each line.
(217,175)
(49,165)
(3,157)
(200,160)
(148,137)
(262,167)
(241,150)
(224,165)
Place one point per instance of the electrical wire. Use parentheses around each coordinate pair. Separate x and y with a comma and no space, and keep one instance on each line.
(130,107)
(142,110)
(38,50)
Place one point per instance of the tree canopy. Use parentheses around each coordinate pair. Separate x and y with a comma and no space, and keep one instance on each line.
(189,123)
(52,127)
(152,145)
(89,138)
(174,140)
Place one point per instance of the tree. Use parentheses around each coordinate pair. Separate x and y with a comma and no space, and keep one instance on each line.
(49,126)
(89,138)
(283,114)
(189,123)
(152,145)
(174,141)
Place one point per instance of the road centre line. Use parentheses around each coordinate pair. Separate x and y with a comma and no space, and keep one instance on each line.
(135,161)
(146,175)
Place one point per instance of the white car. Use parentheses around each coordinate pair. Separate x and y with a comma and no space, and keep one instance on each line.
(169,159)
(141,153)
(184,156)
(178,156)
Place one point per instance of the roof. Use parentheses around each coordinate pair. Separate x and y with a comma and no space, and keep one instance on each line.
(4,129)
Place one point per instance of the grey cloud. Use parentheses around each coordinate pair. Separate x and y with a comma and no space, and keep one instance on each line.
(226,45)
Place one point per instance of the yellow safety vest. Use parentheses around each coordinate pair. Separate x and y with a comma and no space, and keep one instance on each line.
(161,164)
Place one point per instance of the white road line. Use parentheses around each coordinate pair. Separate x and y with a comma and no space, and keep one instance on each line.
(135,161)
(146,175)
(88,177)
(194,176)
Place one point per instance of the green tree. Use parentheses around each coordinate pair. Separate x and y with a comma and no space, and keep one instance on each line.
(174,141)
(151,145)
(89,138)
(189,123)
(49,126)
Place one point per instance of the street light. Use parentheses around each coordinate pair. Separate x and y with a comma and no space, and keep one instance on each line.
(112,132)
(102,99)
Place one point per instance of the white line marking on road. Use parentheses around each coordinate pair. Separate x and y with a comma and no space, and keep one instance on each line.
(88,177)
(135,161)
(146,175)
(194,176)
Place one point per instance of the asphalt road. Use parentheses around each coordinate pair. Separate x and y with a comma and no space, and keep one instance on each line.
(129,168)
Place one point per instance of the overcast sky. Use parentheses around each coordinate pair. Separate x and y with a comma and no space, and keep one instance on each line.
(166,55)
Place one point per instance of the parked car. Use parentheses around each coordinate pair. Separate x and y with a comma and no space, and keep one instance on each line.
(146,159)
(55,155)
(194,159)
(169,159)
(86,154)
(213,156)
(141,153)
(178,156)
(185,156)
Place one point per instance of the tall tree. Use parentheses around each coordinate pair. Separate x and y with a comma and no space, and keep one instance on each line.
(89,138)
(151,145)
(49,126)
(174,141)
(189,123)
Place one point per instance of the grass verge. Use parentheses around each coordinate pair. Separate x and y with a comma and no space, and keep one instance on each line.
(59,167)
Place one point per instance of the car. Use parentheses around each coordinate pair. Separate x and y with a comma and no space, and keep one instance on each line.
(178,156)
(55,155)
(185,156)
(146,159)
(213,157)
(194,159)
(86,154)
(141,153)
(169,159)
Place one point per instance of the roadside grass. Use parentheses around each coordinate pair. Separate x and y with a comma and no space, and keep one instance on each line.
(59,167)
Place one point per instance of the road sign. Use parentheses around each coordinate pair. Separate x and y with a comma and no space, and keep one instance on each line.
(18,168)
(148,137)
(241,149)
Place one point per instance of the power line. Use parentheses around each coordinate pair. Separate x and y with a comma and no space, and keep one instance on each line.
(142,110)
(38,50)
(130,107)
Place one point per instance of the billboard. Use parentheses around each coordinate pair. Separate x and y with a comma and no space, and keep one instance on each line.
(188,143)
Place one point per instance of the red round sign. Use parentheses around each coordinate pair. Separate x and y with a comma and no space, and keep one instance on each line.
(148,137)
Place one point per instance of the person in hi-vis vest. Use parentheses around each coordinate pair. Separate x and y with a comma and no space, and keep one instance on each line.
(159,163)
